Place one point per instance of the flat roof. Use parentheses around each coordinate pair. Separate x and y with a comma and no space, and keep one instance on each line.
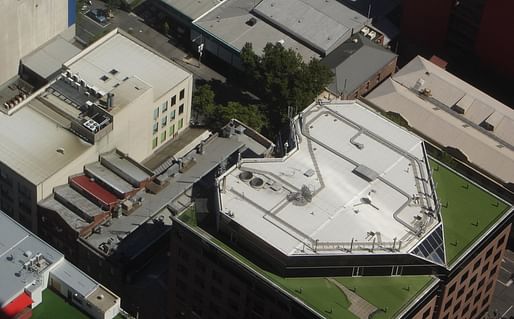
(468,211)
(75,278)
(354,62)
(191,9)
(322,24)
(228,22)
(117,229)
(17,247)
(118,57)
(341,297)
(75,221)
(356,184)
(120,163)
(436,117)
(49,58)
(94,189)
(107,177)
(31,143)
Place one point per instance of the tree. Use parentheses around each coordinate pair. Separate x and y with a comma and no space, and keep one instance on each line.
(248,114)
(282,80)
(203,101)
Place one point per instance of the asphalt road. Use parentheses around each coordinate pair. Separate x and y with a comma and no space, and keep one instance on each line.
(87,30)
(502,305)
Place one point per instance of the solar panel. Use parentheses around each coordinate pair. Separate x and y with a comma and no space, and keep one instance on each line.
(432,247)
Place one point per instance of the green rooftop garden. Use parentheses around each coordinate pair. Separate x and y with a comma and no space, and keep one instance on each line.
(324,294)
(55,307)
(467,210)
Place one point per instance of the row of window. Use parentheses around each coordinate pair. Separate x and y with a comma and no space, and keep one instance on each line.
(164,106)
(164,133)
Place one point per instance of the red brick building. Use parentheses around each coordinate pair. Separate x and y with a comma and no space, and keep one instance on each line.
(460,28)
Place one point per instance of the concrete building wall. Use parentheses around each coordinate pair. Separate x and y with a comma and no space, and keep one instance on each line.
(468,294)
(170,114)
(25,25)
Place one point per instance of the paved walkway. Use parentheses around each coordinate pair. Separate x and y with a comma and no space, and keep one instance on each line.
(358,306)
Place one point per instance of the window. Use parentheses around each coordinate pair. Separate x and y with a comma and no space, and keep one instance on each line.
(477,264)
(154,142)
(489,252)
(180,124)
(172,115)
(181,109)
(465,309)
(155,128)
(172,130)
(164,121)
(461,291)
(163,136)
(464,277)
(469,294)
(497,256)
(164,106)
(181,94)
(426,314)
(173,100)
(155,114)
(477,298)
(448,304)
(472,280)
(451,289)
(500,241)
(457,307)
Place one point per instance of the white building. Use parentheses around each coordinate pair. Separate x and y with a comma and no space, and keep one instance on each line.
(352,184)
(28,266)
(117,93)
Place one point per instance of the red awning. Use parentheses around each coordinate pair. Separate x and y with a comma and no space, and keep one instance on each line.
(16,306)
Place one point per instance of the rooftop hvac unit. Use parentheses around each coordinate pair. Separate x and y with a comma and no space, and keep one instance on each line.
(92,125)
(68,73)
(365,31)
(372,35)
(75,77)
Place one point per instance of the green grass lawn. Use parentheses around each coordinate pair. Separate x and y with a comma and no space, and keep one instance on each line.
(326,298)
(393,293)
(55,307)
(467,210)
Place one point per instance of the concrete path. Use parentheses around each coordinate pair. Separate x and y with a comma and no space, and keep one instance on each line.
(358,306)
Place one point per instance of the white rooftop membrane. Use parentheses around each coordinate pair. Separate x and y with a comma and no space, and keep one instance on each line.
(313,202)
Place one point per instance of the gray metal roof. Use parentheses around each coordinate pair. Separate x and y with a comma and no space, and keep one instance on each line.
(228,22)
(17,246)
(73,220)
(81,205)
(117,229)
(107,177)
(75,278)
(322,24)
(354,62)
(50,57)
(123,166)
(191,9)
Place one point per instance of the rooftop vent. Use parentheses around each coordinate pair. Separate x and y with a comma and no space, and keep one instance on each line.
(257,182)
(245,176)
(27,253)
(104,78)
(113,71)
(302,197)
(251,22)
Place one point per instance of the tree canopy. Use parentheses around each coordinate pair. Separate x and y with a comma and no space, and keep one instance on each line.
(282,80)
(216,116)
